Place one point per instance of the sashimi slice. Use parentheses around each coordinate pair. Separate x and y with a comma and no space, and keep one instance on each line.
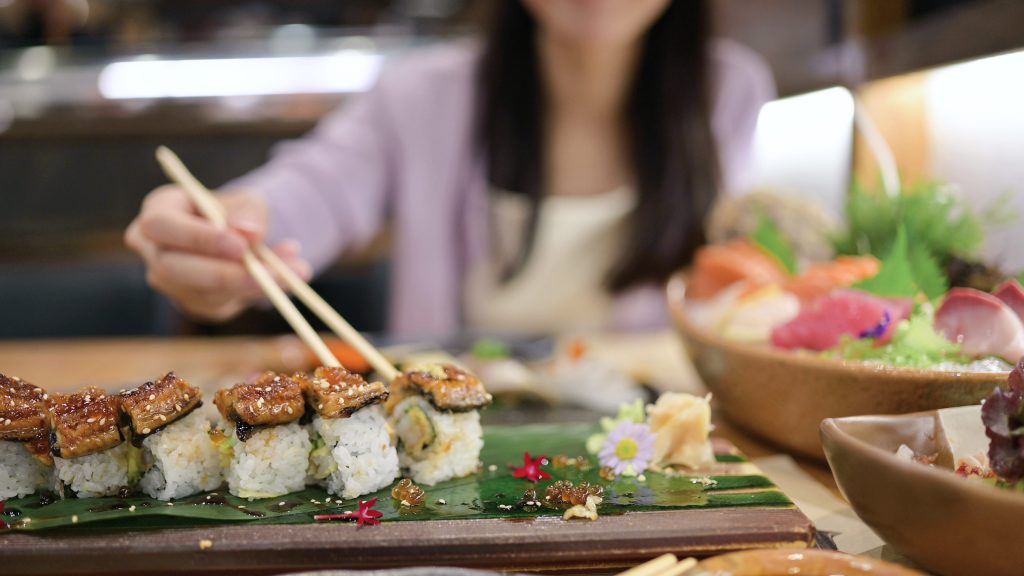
(820,279)
(1012,294)
(821,324)
(981,323)
(720,265)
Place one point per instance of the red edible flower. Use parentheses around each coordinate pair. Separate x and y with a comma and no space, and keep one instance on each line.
(531,468)
(365,515)
(2,523)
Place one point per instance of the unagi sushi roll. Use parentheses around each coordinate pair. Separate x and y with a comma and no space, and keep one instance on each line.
(352,450)
(270,449)
(90,454)
(178,457)
(26,464)
(434,413)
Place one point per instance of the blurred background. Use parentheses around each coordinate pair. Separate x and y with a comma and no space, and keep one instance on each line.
(88,89)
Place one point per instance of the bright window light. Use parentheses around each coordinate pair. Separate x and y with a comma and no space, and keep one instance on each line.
(804,144)
(346,71)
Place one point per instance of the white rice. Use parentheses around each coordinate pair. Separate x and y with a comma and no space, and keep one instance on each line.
(20,473)
(95,475)
(455,451)
(271,463)
(358,456)
(184,461)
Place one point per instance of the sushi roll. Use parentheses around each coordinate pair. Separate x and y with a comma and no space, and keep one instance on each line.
(434,413)
(269,448)
(26,464)
(352,449)
(90,454)
(178,457)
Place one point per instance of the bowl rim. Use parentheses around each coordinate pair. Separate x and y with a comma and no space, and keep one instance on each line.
(675,291)
(832,428)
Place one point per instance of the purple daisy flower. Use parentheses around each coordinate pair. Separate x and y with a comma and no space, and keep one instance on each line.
(628,449)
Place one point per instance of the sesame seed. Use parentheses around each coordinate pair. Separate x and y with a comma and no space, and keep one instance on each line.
(7,422)
(241,505)
(149,407)
(152,397)
(162,418)
(145,430)
(37,390)
(328,500)
(186,397)
(319,406)
(205,544)
(177,407)
(46,396)
(441,501)
(103,421)
(493,468)
(170,503)
(122,391)
(74,518)
(90,420)
(289,409)
(281,503)
(131,508)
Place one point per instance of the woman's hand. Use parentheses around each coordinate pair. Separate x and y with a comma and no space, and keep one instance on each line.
(198,265)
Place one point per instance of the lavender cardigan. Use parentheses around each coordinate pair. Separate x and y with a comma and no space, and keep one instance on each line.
(406,150)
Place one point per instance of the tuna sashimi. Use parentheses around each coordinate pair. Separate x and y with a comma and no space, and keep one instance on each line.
(821,324)
(720,265)
(982,324)
(1012,294)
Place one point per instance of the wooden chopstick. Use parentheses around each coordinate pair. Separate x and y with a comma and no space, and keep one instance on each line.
(208,202)
(211,208)
(329,315)
(664,565)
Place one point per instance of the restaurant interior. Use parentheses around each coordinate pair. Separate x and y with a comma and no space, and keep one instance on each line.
(872,98)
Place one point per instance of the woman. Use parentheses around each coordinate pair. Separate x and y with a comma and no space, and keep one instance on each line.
(550,179)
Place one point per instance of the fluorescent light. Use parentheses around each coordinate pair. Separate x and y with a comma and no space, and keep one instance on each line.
(346,71)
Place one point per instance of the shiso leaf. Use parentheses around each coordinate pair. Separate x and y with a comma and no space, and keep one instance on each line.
(769,238)
(896,278)
(927,273)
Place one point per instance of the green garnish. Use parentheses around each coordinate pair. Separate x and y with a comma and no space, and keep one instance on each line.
(906,272)
(914,344)
(490,349)
(768,237)
(927,273)
(933,216)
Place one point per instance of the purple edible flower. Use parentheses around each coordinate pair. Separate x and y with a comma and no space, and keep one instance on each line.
(878,330)
(628,449)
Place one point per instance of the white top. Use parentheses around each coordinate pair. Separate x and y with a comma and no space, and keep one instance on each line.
(562,284)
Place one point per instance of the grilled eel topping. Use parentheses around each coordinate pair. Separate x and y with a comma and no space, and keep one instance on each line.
(338,393)
(83,423)
(156,404)
(272,399)
(22,410)
(447,387)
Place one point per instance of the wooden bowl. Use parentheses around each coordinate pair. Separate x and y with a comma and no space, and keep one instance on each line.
(945,523)
(783,396)
(803,562)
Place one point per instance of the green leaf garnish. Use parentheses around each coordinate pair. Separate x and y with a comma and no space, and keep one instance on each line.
(1021,278)
(768,237)
(896,278)
(927,273)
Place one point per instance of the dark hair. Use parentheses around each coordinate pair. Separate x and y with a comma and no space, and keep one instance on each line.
(674,160)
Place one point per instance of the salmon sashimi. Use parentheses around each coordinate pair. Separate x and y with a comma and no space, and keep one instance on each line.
(22,410)
(271,400)
(83,423)
(822,278)
(157,404)
(447,387)
(720,265)
(338,393)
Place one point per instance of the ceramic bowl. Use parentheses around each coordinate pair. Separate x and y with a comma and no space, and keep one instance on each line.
(948,525)
(783,396)
(803,562)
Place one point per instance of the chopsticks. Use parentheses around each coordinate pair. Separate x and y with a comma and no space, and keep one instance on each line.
(207,204)
(664,565)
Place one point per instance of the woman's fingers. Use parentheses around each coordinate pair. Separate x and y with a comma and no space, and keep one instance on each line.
(201,273)
(187,232)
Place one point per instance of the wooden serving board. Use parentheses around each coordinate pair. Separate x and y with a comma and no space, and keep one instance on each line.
(716,522)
